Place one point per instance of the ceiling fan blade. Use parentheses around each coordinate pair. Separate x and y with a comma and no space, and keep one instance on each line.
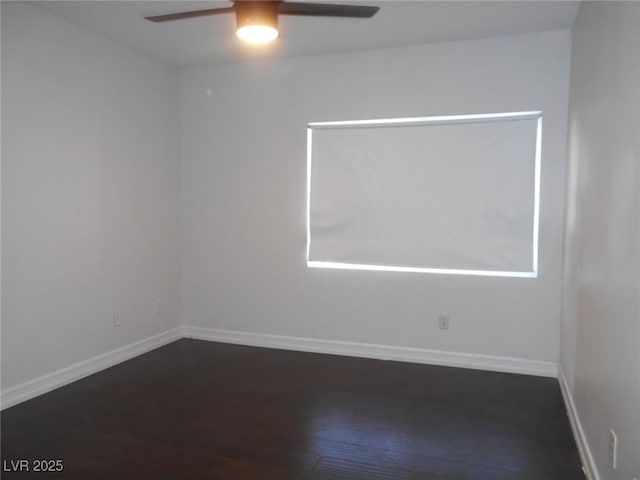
(195,13)
(327,10)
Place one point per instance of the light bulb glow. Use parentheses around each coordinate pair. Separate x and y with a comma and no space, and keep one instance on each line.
(257,34)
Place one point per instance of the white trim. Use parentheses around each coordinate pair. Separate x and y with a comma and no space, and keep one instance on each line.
(64,376)
(438,119)
(588,463)
(309,151)
(536,195)
(393,268)
(383,352)
(46,383)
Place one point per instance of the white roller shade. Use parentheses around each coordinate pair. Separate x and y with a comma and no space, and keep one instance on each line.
(437,194)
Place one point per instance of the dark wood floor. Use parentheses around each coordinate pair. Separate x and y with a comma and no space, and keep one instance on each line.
(197,409)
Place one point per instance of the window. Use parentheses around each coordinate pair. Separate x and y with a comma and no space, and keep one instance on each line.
(450,194)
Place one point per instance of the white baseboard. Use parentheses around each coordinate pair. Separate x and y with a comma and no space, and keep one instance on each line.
(383,352)
(64,376)
(588,463)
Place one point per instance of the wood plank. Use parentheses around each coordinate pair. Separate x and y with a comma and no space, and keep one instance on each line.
(195,409)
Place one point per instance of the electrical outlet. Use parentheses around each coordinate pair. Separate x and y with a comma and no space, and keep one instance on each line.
(117,321)
(443,321)
(613,449)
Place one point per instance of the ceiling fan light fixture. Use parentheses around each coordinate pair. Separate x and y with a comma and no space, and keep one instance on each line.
(257,21)
(257,34)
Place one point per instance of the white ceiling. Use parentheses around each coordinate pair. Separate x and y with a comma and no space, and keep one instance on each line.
(211,40)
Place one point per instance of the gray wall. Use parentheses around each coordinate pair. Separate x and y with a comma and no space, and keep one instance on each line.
(90,146)
(600,353)
(244,196)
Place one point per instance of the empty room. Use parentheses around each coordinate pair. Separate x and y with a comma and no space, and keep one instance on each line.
(320,240)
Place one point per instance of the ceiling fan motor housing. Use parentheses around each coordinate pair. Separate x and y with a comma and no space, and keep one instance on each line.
(261,13)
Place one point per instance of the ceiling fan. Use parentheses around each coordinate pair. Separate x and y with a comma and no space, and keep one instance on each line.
(257,20)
